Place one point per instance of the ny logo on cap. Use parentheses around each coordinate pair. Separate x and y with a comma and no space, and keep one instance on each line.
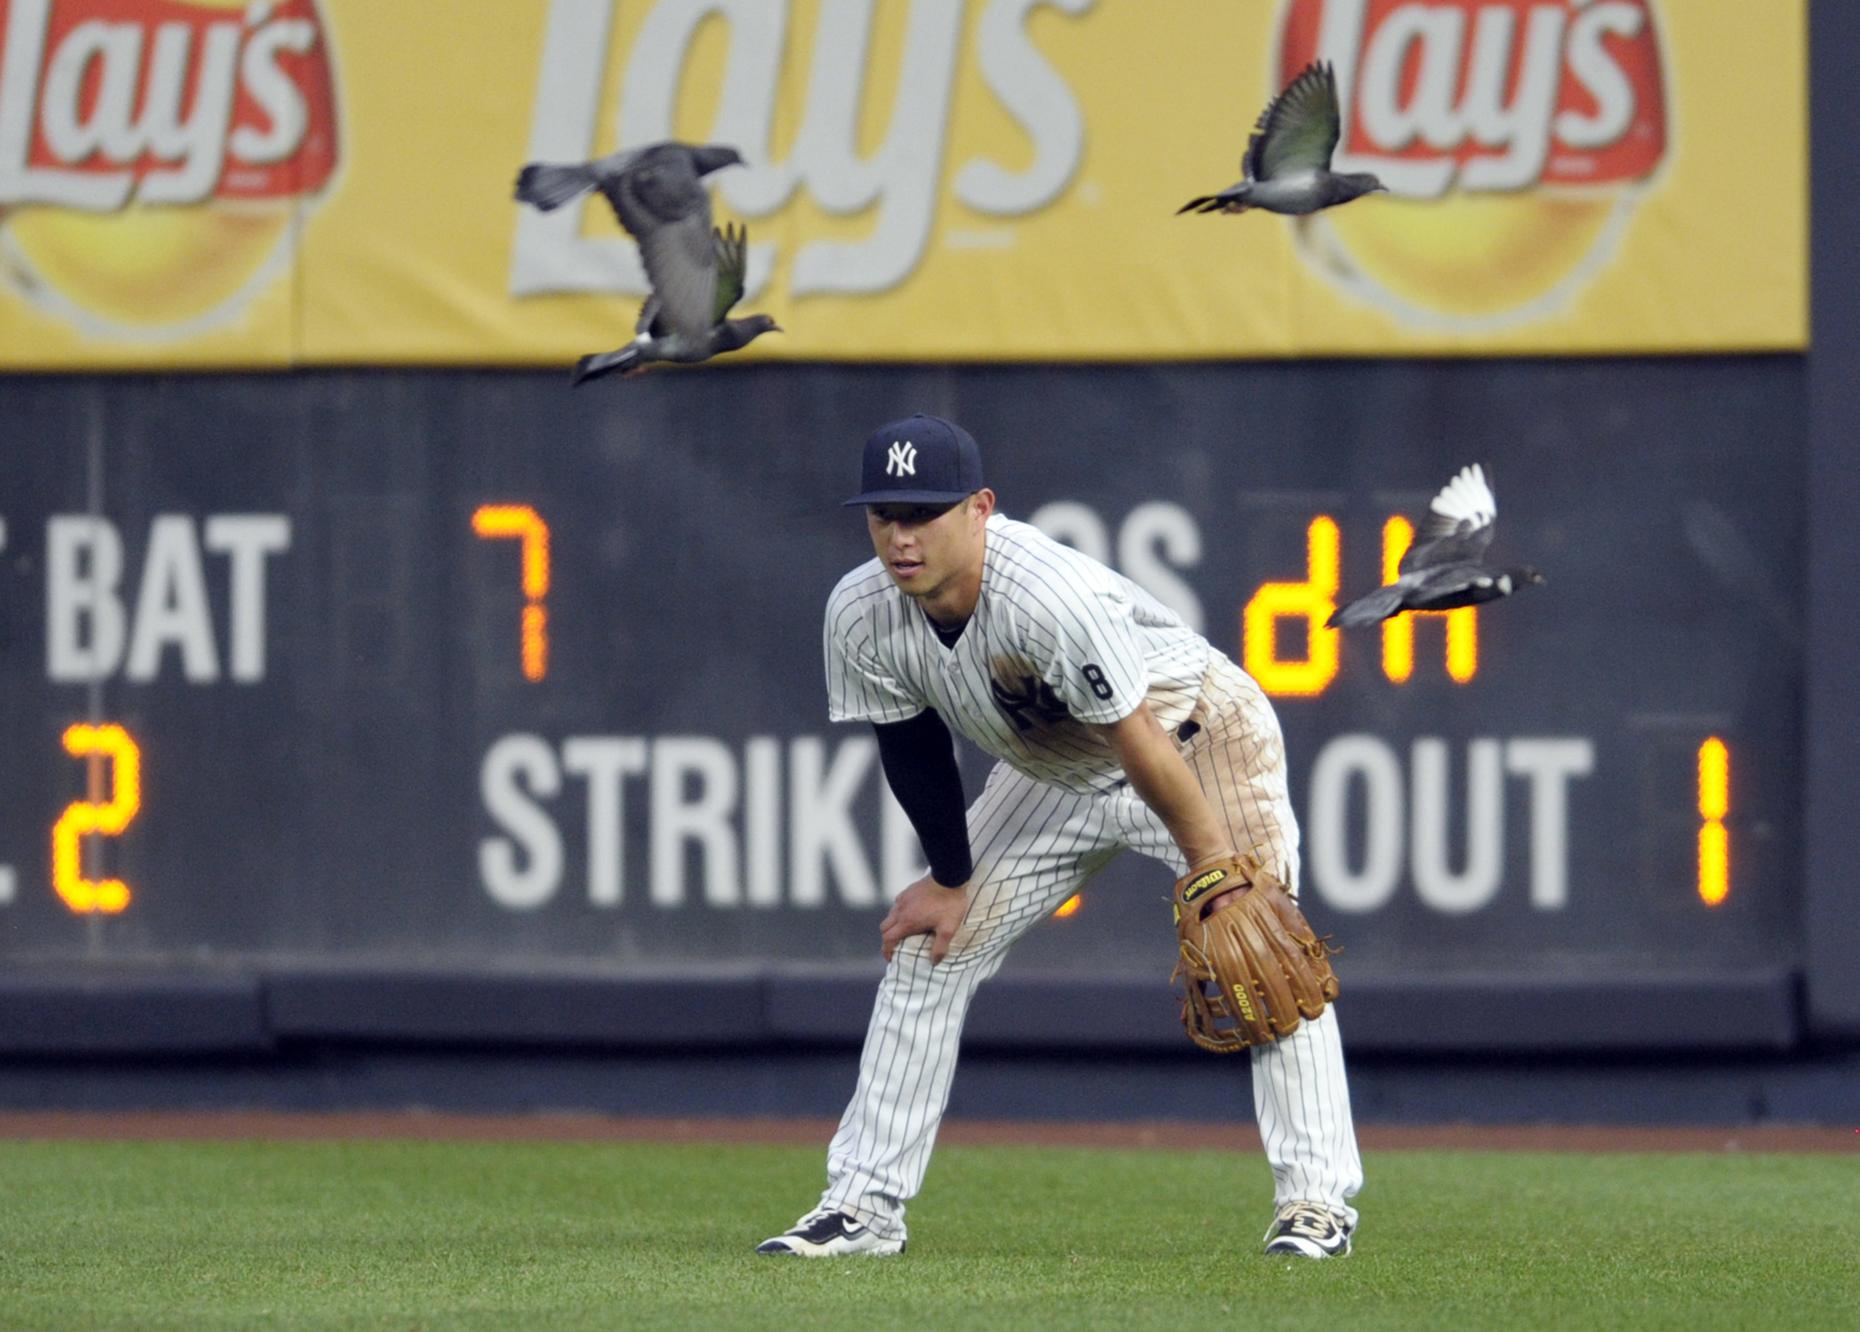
(902,459)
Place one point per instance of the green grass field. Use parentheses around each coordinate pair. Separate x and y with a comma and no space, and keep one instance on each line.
(475,1235)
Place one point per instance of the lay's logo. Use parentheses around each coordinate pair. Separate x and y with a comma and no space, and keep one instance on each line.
(1515,136)
(901,172)
(151,152)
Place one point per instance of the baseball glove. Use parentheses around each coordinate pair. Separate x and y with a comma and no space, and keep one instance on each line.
(1250,963)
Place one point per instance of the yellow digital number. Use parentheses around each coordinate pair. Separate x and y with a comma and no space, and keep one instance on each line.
(1315,598)
(522,523)
(1398,630)
(1714,807)
(105,817)
(1311,601)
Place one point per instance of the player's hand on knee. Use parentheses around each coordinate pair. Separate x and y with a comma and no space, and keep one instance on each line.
(926,907)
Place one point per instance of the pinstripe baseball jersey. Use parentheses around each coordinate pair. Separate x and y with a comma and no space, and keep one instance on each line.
(1057,643)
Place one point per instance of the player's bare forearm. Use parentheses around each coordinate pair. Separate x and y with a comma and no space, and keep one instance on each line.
(1159,775)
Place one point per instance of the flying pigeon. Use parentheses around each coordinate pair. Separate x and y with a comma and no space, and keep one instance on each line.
(1287,162)
(659,340)
(1442,569)
(696,271)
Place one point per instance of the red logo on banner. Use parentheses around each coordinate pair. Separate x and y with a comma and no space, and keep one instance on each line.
(140,141)
(1550,111)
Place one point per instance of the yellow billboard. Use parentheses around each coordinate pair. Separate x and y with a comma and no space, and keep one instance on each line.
(278,182)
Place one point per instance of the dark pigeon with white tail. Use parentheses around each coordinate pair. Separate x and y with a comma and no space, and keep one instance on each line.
(697,272)
(1443,569)
(1287,162)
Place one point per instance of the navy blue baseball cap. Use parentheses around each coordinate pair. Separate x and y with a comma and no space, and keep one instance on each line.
(919,460)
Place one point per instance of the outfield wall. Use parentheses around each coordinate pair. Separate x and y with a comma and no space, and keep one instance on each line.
(1832,701)
(313,912)
(361,817)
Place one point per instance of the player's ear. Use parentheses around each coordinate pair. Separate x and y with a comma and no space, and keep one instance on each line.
(982,502)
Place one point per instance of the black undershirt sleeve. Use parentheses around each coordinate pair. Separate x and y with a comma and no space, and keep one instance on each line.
(920,764)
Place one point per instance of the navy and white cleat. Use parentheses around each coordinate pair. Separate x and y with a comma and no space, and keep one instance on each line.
(824,1233)
(1309,1230)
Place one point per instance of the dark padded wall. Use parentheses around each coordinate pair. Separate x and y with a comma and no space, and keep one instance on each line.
(393,794)
(1833,698)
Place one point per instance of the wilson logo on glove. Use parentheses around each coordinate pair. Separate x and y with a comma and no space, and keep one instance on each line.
(1202,883)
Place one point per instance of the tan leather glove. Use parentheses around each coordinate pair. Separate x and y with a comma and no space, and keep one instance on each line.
(1251,964)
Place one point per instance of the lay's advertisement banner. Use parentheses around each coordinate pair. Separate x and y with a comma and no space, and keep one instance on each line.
(195,183)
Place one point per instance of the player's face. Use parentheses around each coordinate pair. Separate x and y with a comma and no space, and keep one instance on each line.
(933,552)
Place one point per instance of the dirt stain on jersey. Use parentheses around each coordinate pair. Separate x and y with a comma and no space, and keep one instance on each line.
(1029,701)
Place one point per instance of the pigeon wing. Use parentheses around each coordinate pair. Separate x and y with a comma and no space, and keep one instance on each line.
(732,247)
(1299,129)
(667,210)
(1458,525)
(619,163)
(1453,586)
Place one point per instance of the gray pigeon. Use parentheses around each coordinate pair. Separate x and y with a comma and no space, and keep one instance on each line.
(1442,569)
(1287,162)
(658,340)
(696,271)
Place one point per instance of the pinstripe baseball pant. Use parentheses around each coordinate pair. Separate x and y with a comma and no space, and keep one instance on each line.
(1034,845)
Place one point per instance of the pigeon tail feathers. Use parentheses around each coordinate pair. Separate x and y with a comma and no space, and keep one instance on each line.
(606,363)
(1368,608)
(1466,497)
(1229,200)
(548,186)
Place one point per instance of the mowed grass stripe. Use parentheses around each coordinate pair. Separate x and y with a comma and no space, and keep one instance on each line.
(414,1235)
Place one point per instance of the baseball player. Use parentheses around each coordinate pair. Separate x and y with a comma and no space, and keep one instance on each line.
(1114,725)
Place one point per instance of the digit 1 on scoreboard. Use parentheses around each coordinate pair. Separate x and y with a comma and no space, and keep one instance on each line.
(1714,808)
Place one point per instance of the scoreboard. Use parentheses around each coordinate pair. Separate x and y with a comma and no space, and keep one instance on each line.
(467,668)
